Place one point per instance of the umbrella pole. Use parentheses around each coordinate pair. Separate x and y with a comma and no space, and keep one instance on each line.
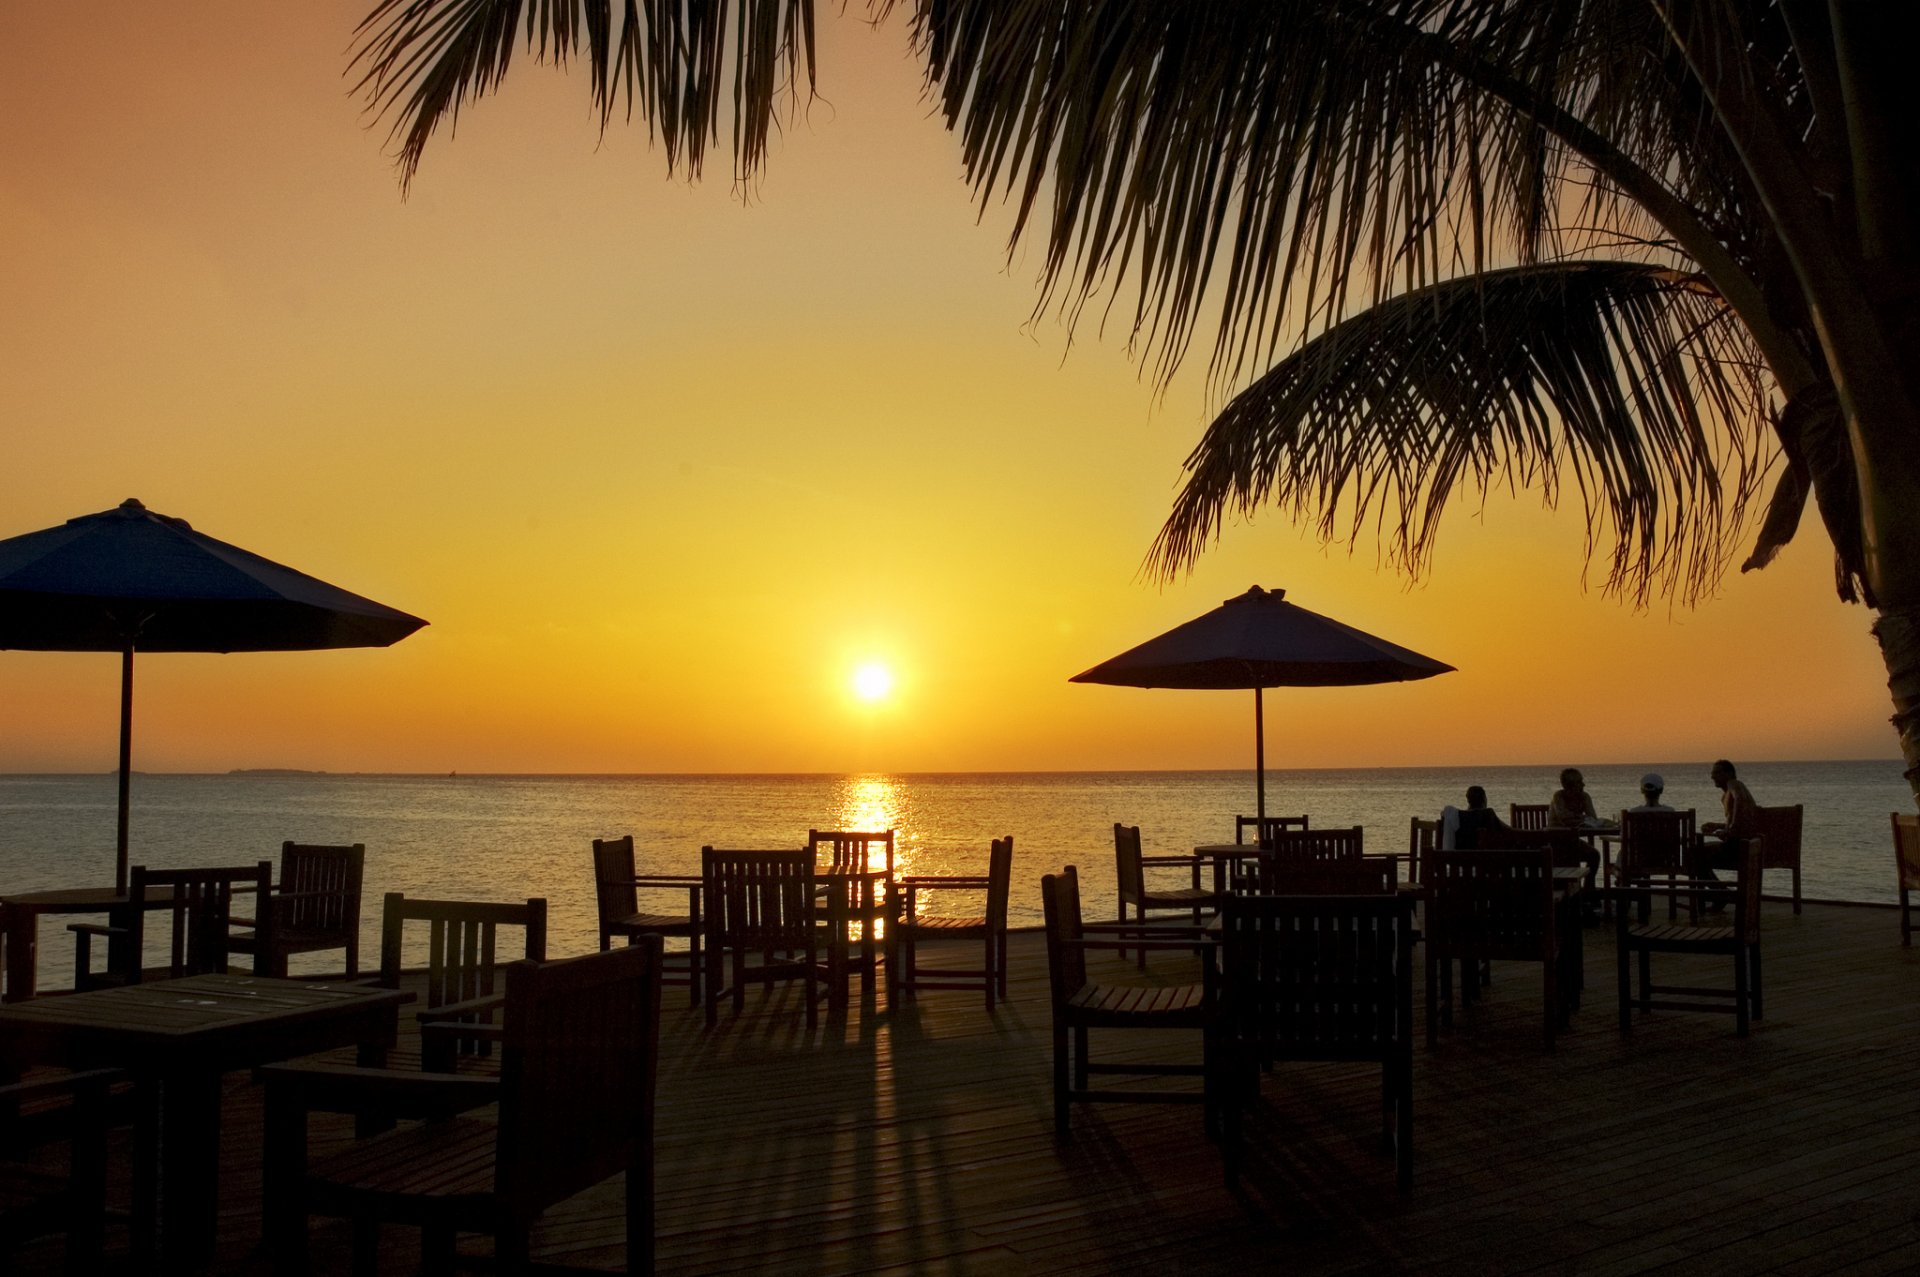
(1259,764)
(126,762)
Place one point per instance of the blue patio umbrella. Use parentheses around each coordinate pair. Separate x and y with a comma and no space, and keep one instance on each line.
(1259,640)
(127,580)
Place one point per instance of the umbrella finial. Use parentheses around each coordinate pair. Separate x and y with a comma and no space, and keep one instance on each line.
(132,504)
(1255,594)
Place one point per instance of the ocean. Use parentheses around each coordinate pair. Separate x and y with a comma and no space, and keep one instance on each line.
(510,837)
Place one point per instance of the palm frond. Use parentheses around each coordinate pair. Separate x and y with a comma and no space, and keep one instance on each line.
(1630,382)
(673,61)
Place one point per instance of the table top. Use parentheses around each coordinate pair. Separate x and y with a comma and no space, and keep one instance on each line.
(156,1022)
(77,898)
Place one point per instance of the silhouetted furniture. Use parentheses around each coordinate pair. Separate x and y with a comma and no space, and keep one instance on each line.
(1656,844)
(1133,892)
(1315,978)
(1906,863)
(617,886)
(462,942)
(1779,834)
(910,926)
(1320,845)
(855,871)
(1737,936)
(579,1052)
(316,907)
(34,1203)
(1423,839)
(1264,827)
(178,1038)
(1527,817)
(1486,905)
(760,913)
(1080,1005)
(1361,876)
(200,904)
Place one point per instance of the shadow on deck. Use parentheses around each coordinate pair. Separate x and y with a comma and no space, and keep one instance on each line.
(920,1140)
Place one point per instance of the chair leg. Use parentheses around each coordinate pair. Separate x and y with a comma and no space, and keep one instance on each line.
(1753,960)
(640,1222)
(1060,1124)
(1433,997)
(366,1246)
(1550,997)
(1000,965)
(436,1249)
(1080,1058)
(1742,1004)
(1625,964)
(510,1248)
(989,976)
(1796,889)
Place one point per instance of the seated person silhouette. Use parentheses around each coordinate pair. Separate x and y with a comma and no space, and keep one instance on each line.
(1651,787)
(1476,820)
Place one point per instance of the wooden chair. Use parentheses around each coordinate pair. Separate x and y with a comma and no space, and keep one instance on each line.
(1317,845)
(1737,937)
(1133,892)
(1264,827)
(1080,1005)
(1527,817)
(616,890)
(201,911)
(1656,844)
(1906,863)
(316,907)
(760,912)
(1423,839)
(863,904)
(1487,905)
(579,1054)
(1779,834)
(1315,978)
(909,927)
(462,938)
(73,1109)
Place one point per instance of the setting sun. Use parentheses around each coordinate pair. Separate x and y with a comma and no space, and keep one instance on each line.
(872,682)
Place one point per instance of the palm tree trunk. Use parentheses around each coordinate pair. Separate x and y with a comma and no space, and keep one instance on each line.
(1898,632)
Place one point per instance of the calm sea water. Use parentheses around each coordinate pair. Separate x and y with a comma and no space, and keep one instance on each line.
(507,837)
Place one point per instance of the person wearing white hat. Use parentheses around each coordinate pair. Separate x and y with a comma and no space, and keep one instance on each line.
(1651,787)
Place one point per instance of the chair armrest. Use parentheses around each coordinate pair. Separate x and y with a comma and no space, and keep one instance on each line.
(454,1010)
(95,929)
(52,1087)
(663,880)
(1179,860)
(940,880)
(342,1088)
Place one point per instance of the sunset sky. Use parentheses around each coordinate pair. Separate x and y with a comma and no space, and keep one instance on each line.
(666,467)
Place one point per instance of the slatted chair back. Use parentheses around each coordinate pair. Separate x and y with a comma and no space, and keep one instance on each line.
(1492,904)
(1295,846)
(578,1062)
(613,888)
(1527,817)
(999,883)
(463,949)
(759,902)
(1066,960)
(1423,838)
(1129,877)
(1654,842)
(322,887)
(1779,832)
(1368,876)
(1264,827)
(201,916)
(1906,865)
(853,849)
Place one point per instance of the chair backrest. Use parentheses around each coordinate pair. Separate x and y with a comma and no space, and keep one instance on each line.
(462,942)
(1264,827)
(1527,816)
(1293,845)
(1423,837)
(1319,977)
(1779,830)
(321,888)
(578,1060)
(1066,960)
(758,900)
(853,849)
(1492,904)
(1906,849)
(201,913)
(1654,842)
(1127,873)
(1746,919)
(1365,876)
(613,875)
(999,881)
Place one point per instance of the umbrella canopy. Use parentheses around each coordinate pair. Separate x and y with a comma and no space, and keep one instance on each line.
(1260,640)
(128,579)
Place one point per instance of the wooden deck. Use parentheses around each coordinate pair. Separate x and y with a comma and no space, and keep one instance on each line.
(920,1141)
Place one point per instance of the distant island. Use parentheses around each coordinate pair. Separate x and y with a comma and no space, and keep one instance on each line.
(273,771)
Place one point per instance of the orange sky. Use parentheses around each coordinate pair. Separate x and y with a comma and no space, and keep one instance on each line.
(663,467)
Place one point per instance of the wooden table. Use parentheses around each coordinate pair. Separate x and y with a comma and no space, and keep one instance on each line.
(1226,854)
(22,926)
(177,1037)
